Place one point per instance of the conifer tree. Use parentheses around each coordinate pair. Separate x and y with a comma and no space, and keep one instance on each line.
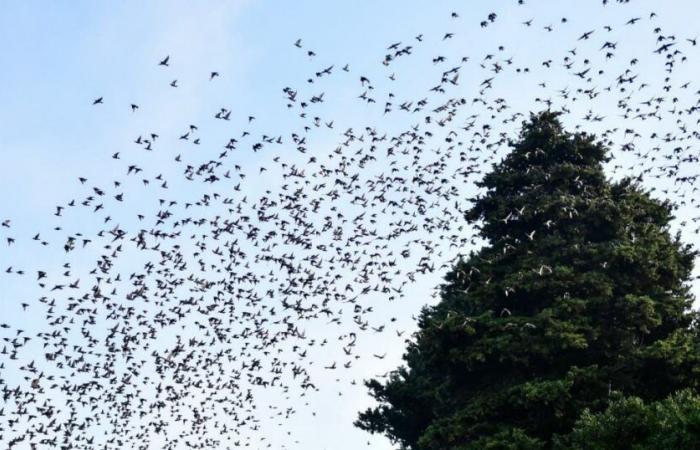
(581,292)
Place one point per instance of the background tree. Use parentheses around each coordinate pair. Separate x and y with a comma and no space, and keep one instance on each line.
(630,424)
(580,292)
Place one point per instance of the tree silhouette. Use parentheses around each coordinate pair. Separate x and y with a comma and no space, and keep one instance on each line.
(580,293)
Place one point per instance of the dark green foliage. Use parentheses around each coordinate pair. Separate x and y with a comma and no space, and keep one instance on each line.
(581,292)
(630,424)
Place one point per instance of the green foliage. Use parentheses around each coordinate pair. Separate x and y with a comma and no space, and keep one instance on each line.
(630,424)
(581,292)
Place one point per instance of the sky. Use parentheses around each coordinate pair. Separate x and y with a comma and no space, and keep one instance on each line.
(57,57)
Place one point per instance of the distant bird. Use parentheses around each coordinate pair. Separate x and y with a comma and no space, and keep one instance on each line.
(586,35)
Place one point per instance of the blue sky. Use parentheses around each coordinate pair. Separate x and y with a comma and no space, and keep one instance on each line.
(56,58)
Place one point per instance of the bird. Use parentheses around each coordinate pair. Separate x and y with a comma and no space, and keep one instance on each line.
(543,269)
(586,35)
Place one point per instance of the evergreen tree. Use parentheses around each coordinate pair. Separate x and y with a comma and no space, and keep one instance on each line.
(581,292)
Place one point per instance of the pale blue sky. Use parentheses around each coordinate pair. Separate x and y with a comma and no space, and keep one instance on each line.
(56,57)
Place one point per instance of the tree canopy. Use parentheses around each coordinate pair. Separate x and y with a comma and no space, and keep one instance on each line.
(632,424)
(581,293)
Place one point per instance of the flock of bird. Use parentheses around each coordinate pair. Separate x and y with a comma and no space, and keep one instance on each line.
(197,308)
